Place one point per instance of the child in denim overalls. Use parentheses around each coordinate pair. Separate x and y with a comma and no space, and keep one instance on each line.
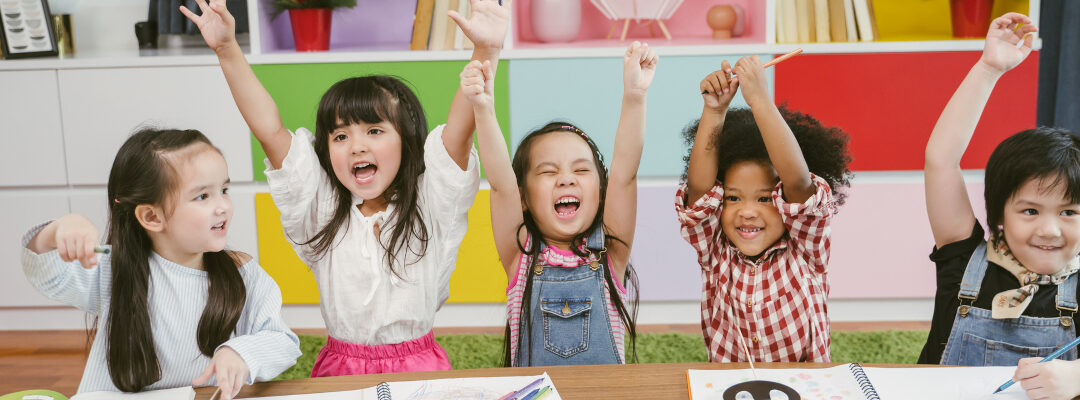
(563,227)
(1009,300)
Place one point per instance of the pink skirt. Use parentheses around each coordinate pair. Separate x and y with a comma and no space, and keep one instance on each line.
(339,358)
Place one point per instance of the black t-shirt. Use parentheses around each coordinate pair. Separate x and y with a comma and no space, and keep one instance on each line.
(951,261)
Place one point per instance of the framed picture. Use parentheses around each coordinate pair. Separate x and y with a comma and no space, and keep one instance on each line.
(26,29)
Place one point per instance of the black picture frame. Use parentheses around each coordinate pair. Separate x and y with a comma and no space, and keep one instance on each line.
(26,29)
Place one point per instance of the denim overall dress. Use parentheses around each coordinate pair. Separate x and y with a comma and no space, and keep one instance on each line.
(569,316)
(979,340)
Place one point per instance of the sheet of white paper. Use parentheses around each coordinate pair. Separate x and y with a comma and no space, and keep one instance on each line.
(468,388)
(180,393)
(834,383)
(952,383)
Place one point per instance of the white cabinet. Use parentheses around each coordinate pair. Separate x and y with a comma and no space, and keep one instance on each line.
(33,146)
(102,107)
(20,212)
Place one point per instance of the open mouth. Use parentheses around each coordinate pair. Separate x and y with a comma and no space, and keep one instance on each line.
(364,172)
(749,232)
(567,206)
(218,227)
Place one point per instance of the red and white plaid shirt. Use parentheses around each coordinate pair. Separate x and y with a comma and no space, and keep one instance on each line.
(777,302)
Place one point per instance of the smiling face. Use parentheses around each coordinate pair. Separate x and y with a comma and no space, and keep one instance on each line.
(199,213)
(749,219)
(365,157)
(562,186)
(1041,226)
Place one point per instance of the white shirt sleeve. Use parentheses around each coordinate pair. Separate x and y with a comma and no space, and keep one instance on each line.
(266,344)
(301,190)
(448,192)
(66,282)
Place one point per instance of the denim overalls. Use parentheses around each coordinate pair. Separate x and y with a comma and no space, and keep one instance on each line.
(979,340)
(569,316)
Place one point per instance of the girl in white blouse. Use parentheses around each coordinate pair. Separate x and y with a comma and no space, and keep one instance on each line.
(375,205)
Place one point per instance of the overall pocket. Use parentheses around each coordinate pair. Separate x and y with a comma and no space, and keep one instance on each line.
(566,325)
(979,351)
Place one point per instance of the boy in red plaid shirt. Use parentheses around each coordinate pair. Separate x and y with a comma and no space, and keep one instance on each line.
(756,206)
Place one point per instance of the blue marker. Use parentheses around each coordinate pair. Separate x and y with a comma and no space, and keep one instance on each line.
(1052,356)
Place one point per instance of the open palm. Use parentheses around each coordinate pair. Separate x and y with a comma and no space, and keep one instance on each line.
(486,26)
(216,23)
(1001,51)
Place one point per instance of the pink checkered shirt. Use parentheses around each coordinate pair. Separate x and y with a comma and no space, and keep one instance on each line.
(777,302)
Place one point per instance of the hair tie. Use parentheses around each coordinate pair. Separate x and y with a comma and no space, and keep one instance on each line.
(575,129)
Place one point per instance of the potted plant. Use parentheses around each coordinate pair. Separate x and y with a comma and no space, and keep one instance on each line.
(310,21)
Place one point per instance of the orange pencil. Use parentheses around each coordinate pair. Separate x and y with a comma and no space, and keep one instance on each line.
(777,60)
(774,61)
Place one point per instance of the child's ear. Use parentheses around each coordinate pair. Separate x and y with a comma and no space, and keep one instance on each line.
(150,217)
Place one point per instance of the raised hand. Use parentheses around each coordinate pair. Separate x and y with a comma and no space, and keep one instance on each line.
(478,84)
(215,22)
(718,88)
(752,79)
(1001,53)
(486,27)
(231,372)
(639,68)
(76,237)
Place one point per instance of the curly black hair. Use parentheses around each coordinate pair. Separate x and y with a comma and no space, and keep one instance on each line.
(824,148)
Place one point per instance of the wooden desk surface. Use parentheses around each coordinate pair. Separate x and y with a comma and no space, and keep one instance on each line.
(633,381)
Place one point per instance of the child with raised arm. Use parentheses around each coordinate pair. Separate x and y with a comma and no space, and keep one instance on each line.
(173,307)
(564,226)
(1009,299)
(757,204)
(372,202)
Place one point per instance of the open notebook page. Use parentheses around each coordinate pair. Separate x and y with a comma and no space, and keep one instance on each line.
(180,393)
(835,383)
(952,383)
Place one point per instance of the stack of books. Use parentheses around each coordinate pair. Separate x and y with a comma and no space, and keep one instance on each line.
(434,30)
(808,21)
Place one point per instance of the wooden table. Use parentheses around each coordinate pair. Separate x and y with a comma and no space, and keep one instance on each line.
(633,381)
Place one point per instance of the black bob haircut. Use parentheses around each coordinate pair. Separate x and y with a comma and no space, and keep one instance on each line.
(1051,155)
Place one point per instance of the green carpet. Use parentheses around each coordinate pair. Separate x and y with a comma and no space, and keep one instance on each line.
(486,351)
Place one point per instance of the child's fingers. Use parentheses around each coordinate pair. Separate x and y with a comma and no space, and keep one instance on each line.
(203,7)
(458,19)
(190,15)
(86,254)
(719,82)
(1026,369)
(486,71)
(223,12)
(204,376)
(238,383)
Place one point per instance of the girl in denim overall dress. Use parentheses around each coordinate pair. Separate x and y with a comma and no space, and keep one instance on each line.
(1010,299)
(563,226)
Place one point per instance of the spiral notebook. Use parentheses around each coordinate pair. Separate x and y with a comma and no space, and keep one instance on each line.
(855,382)
(486,388)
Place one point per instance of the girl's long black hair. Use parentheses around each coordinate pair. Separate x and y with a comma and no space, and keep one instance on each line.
(628,316)
(373,99)
(143,174)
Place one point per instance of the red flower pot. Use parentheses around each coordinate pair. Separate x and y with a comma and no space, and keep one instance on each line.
(971,18)
(311,28)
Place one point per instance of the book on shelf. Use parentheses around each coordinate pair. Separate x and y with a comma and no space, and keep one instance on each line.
(837,21)
(822,21)
(864,20)
(422,24)
(439,20)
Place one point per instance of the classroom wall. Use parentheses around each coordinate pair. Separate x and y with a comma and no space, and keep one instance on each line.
(57,162)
